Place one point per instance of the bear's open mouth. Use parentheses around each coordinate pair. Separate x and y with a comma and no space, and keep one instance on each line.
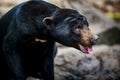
(87,49)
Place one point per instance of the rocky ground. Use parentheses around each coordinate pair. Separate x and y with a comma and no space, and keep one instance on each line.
(102,64)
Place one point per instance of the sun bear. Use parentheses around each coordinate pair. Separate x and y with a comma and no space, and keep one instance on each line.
(28,36)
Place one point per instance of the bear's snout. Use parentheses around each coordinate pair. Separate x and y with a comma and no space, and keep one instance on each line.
(94,39)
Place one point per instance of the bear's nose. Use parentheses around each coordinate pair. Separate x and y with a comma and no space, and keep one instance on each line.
(94,39)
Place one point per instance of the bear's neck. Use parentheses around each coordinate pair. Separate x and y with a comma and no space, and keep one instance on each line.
(43,34)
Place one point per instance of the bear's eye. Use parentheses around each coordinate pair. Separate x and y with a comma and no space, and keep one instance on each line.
(77,29)
(81,19)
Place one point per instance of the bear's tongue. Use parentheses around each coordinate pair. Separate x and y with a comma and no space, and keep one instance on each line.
(85,49)
(89,49)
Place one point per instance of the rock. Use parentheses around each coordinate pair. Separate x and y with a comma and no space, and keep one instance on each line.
(102,64)
(110,36)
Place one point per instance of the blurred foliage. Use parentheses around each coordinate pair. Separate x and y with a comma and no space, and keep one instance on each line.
(115,15)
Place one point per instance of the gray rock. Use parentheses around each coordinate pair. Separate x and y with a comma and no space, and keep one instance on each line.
(102,64)
(110,36)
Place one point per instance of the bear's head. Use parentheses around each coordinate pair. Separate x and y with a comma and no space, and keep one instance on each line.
(70,28)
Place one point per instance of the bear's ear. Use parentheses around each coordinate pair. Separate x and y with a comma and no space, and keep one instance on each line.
(48,22)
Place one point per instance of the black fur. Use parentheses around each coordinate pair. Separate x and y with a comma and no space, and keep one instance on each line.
(20,55)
